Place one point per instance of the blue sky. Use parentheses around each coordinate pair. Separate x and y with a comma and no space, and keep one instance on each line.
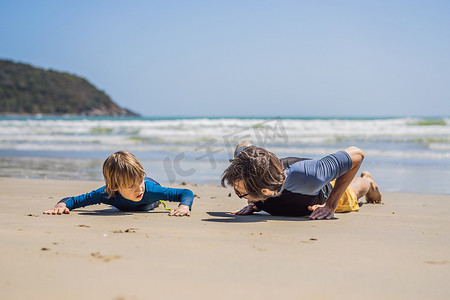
(244,58)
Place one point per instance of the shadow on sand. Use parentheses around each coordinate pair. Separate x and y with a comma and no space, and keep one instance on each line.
(115,212)
(225,217)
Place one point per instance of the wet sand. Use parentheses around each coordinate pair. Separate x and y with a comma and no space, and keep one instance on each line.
(397,250)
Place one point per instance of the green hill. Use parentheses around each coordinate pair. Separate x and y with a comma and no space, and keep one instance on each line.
(25,89)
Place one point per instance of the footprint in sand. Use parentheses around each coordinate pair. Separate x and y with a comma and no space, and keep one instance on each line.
(129,230)
(105,258)
(311,240)
(442,262)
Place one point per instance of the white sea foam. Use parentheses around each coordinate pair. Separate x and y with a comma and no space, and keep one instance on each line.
(401,137)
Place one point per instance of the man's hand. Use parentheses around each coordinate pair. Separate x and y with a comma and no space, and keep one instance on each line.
(342,182)
(182,210)
(321,212)
(248,210)
(59,209)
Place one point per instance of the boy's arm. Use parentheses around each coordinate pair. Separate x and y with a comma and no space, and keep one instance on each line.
(184,196)
(60,208)
(181,210)
(342,182)
(67,204)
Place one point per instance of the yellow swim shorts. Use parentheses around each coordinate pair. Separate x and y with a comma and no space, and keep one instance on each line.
(348,201)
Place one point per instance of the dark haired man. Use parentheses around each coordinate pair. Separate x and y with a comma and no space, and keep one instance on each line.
(297,186)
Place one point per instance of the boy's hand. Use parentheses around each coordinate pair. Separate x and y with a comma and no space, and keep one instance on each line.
(182,210)
(59,209)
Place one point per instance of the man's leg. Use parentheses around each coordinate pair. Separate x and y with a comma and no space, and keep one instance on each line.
(366,186)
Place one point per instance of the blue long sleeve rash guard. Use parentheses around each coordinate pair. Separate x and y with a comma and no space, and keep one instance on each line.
(153,193)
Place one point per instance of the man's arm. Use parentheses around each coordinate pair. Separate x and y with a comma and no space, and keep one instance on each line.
(342,182)
(248,210)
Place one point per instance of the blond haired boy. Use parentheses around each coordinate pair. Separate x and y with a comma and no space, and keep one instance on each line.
(128,189)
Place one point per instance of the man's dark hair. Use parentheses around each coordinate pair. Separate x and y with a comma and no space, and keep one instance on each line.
(258,168)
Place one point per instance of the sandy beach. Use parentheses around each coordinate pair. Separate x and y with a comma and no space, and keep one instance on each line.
(397,250)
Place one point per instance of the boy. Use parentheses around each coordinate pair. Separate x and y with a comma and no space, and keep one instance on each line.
(297,186)
(127,189)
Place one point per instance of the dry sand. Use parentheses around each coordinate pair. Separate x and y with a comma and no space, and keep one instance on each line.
(397,250)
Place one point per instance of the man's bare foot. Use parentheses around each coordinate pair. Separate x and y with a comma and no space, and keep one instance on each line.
(373,195)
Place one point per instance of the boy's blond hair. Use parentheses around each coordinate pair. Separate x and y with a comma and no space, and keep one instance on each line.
(121,169)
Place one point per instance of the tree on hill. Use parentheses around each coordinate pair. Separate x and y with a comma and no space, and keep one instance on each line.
(25,89)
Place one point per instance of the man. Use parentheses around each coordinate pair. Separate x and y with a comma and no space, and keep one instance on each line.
(297,186)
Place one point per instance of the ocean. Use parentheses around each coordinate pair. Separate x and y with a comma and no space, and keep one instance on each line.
(403,154)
